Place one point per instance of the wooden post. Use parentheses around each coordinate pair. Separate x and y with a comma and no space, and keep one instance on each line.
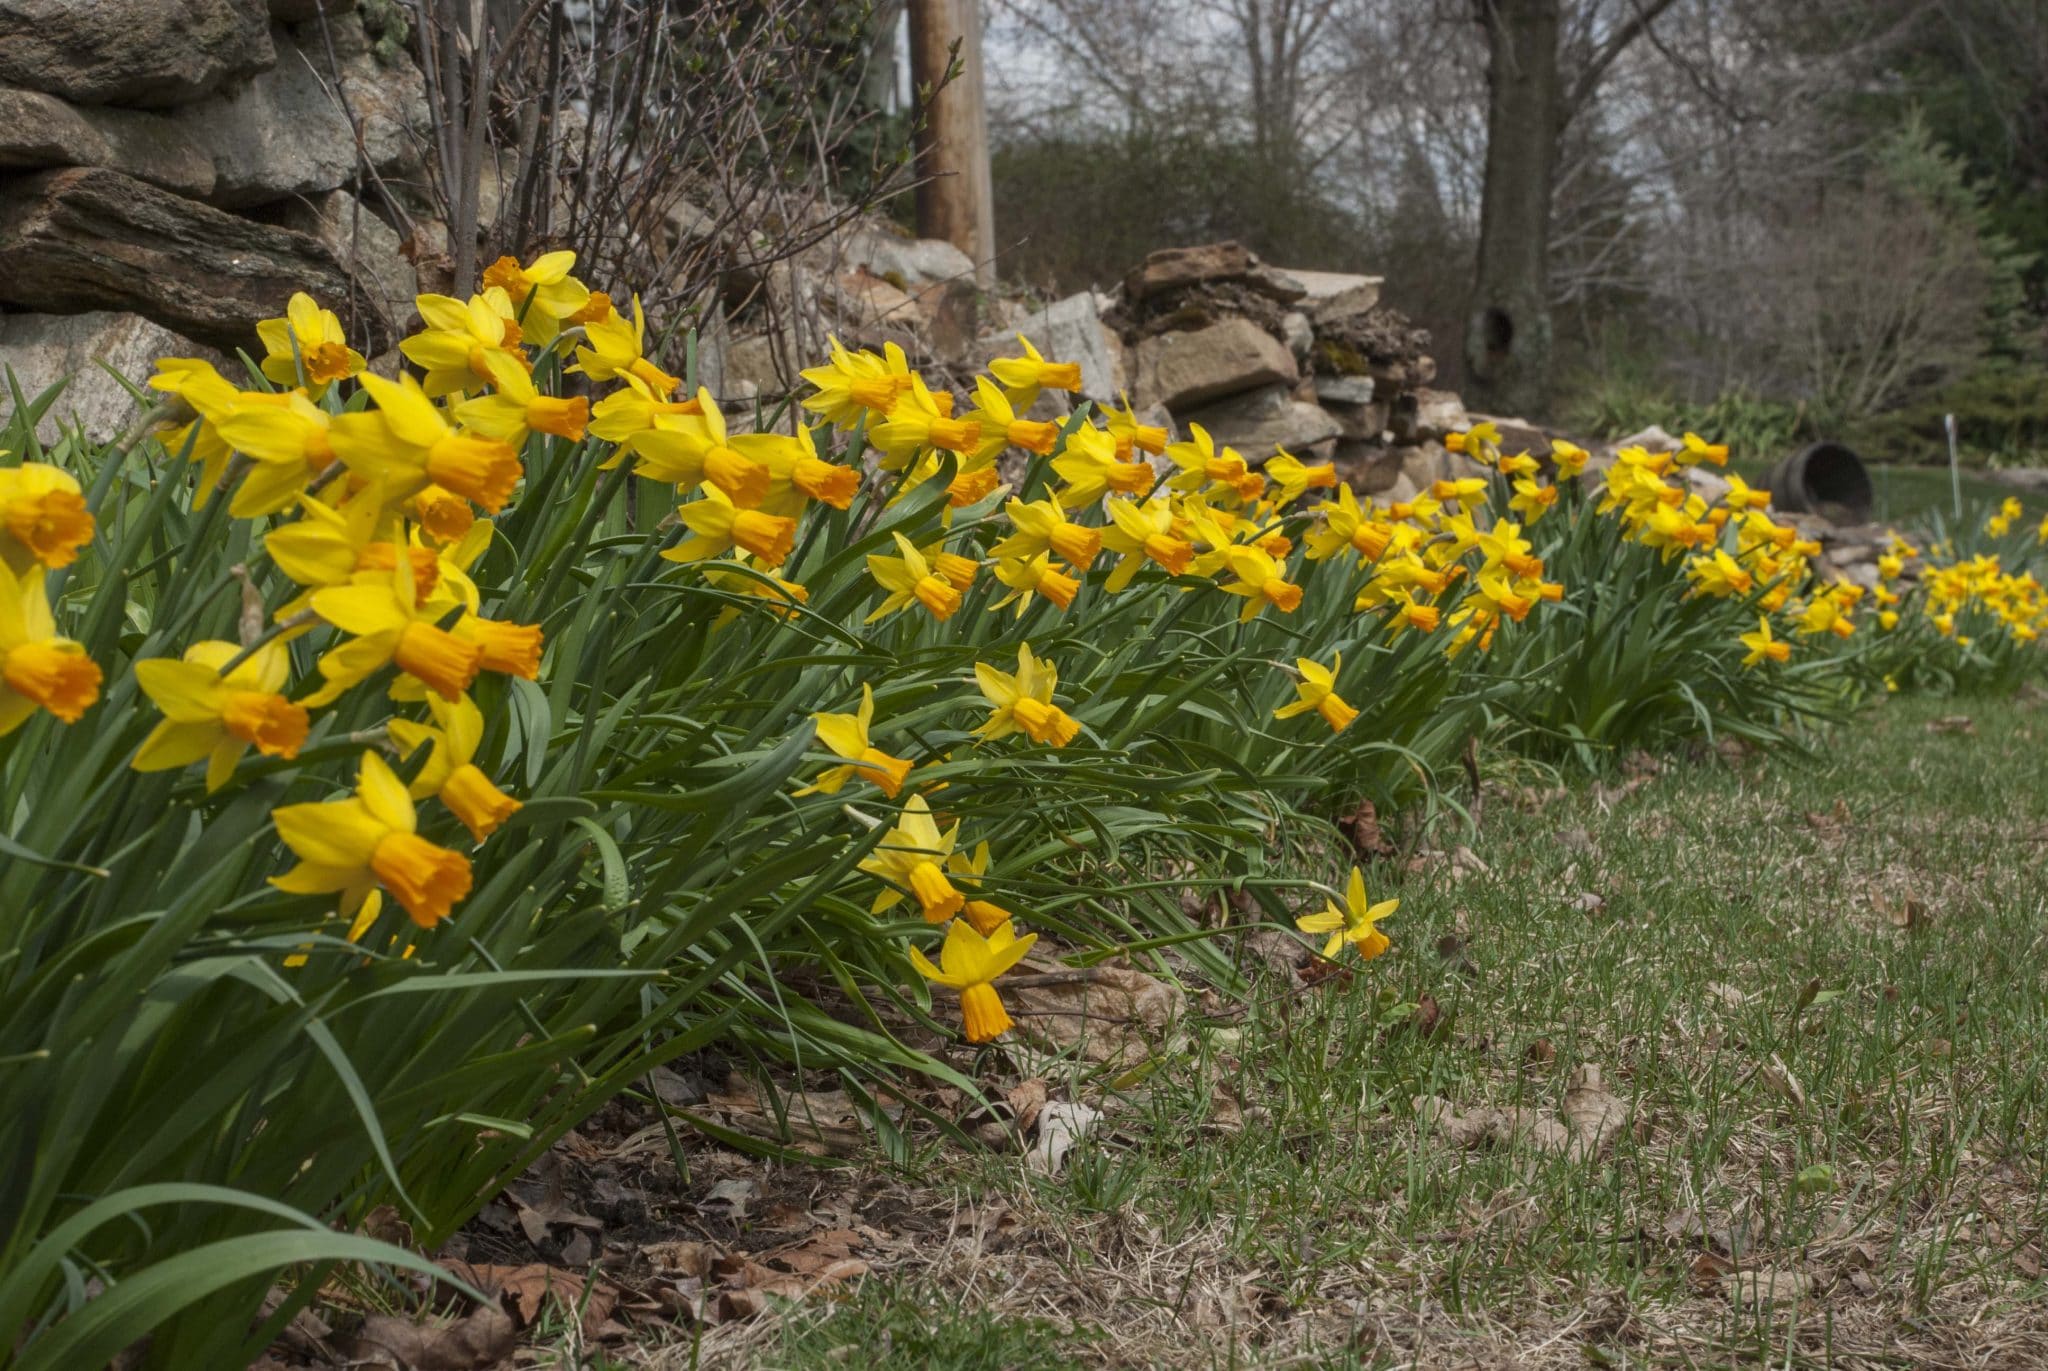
(954,202)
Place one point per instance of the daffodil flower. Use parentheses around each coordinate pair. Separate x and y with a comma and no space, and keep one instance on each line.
(1762,645)
(307,346)
(1042,526)
(847,736)
(697,450)
(1091,469)
(970,963)
(517,408)
(717,526)
(289,445)
(215,716)
(1139,533)
(909,576)
(38,669)
(451,771)
(43,518)
(616,348)
(918,422)
(1130,435)
(967,869)
(1317,690)
(388,625)
(1698,449)
(1023,702)
(912,856)
(857,386)
(1201,464)
(1023,377)
(1354,922)
(797,474)
(1295,478)
(352,846)
(1000,426)
(459,340)
(543,294)
(407,443)
(1034,576)
(1261,582)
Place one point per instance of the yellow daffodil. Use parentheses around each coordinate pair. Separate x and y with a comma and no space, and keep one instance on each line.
(1130,435)
(857,386)
(1317,690)
(1261,581)
(459,339)
(847,736)
(908,577)
(920,422)
(698,450)
(717,526)
(1023,702)
(43,518)
(1000,426)
(1091,469)
(389,625)
(352,846)
(451,771)
(1023,377)
(913,855)
(407,443)
(1139,533)
(1696,449)
(615,348)
(1034,576)
(1719,575)
(1569,458)
(1762,645)
(215,716)
(516,407)
(1042,526)
(543,294)
(1355,922)
(306,347)
(1292,477)
(970,964)
(38,669)
(797,474)
(1532,500)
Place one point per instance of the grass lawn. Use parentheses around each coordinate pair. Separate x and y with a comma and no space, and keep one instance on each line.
(1739,1061)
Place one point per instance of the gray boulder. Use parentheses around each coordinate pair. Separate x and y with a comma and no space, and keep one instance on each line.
(292,130)
(367,248)
(1263,420)
(1070,330)
(39,130)
(77,349)
(145,53)
(1180,370)
(88,238)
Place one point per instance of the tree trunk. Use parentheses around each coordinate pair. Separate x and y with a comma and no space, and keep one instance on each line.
(1508,330)
(955,201)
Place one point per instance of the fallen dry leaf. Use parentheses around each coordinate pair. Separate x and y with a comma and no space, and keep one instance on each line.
(1780,1079)
(523,1289)
(1908,913)
(1061,1124)
(481,1338)
(1592,1113)
(1485,1125)
(1953,723)
(1114,1015)
(1752,1288)
(1362,827)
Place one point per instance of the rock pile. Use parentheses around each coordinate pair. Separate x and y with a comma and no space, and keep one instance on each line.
(171,170)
